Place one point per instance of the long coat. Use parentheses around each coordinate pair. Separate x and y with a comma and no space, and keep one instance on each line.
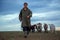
(23,17)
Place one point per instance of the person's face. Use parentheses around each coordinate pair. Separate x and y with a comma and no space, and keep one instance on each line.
(25,5)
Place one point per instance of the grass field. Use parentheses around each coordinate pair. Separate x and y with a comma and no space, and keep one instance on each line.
(17,35)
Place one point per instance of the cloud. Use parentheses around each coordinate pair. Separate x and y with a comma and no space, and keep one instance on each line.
(40,5)
(11,27)
(44,11)
(48,16)
(10,22)
(8,17)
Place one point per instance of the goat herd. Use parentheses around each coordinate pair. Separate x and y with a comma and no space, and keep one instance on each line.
(38,27)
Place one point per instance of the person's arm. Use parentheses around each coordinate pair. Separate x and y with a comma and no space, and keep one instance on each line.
(20,16)
(30,14)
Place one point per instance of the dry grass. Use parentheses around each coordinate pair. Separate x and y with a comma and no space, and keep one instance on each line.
(16,35)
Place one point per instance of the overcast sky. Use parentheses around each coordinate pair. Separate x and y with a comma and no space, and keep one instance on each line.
(44,11)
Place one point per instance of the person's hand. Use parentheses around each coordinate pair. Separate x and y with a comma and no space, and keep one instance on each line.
(28,17)
(20,19)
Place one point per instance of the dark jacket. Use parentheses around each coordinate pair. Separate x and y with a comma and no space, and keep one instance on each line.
(23,17)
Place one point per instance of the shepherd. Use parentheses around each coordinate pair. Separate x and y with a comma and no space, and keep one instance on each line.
(25,16)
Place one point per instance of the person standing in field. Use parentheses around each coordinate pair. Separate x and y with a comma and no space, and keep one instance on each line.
(25,16)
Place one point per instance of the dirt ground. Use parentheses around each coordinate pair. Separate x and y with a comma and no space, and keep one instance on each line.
(17,35)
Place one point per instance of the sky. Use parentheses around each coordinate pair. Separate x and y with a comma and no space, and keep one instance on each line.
(43,11)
